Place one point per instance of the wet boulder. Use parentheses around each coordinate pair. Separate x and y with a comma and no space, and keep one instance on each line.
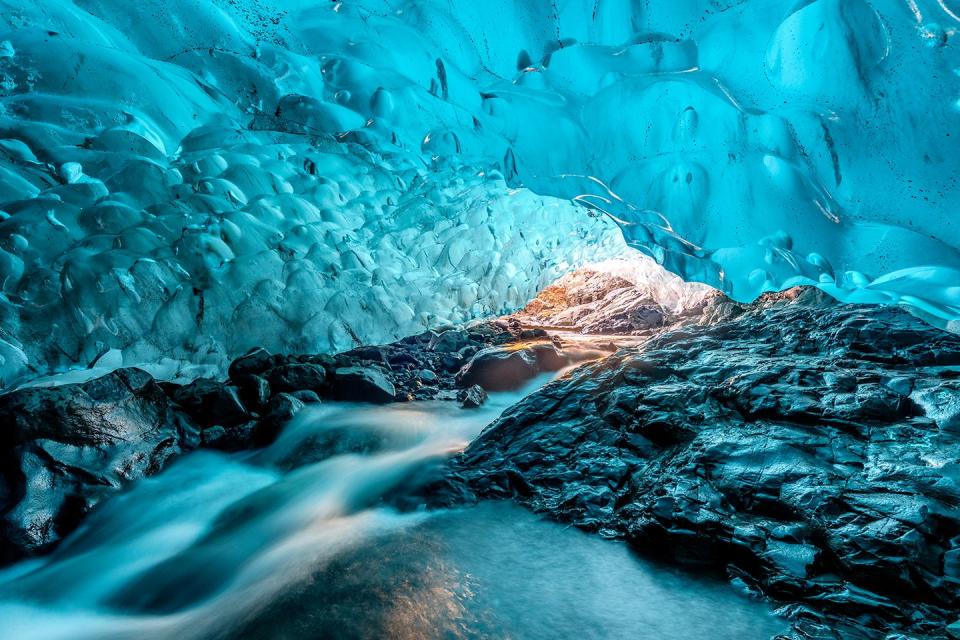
(295,376)
(548,357)
(235,437)
(449,341)
(254,390)
(306,396)
(113,408)
(210,402)
(451,362)
(361,384)
(367,354)
(280,410)
(472,397)
(954,629)
(498,369)
(255,362)
(628,321)
(67,447)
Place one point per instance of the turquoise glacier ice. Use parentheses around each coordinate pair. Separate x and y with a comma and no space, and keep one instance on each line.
(181,180)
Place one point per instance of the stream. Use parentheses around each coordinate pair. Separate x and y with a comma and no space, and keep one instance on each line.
(294,541)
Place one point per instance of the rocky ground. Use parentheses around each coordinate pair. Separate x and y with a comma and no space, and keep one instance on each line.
(65,448)
(811,451)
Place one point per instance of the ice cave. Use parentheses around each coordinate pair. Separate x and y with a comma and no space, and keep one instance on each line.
(479,319)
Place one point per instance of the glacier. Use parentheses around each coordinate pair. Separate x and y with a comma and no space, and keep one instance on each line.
(182,180)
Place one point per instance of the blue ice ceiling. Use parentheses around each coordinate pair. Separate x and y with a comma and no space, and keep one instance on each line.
(187,178)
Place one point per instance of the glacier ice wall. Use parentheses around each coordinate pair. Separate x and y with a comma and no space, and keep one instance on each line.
(750,144)
(183,178)
(151,210)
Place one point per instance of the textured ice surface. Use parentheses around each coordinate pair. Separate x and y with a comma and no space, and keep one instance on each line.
(310,174)
(276,244)
(150,211)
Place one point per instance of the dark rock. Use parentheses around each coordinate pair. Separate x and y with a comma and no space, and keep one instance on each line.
(626,322)
(66,448)
(279,411)
(324,360)
(213,437)
(472,397)
(532,334)
(306,396)
(497,369)
(235,438)
(954,629)
(101,411)
(772,445)
(427,377)
(449,341)
(495,333)
(210,402)
(254,390)
(468,352)
(297,377)
(403,358)
(357,384)
(548,357)
(451,362)
(941,404)
(255,362)
(367,354)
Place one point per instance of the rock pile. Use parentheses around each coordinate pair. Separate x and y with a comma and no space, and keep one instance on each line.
(65,448)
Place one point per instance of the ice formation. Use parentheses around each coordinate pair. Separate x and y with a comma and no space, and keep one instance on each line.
(153,213)
(185,178)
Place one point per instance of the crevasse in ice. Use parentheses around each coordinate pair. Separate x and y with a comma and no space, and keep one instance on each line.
(185,178)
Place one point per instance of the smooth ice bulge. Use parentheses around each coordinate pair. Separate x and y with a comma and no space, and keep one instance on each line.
(309,175)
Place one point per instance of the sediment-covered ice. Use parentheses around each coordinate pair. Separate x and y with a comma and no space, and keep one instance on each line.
(186,178)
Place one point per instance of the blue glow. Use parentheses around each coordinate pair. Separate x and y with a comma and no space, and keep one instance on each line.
(150,150)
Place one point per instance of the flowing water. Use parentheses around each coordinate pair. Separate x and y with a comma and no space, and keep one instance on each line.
(294,541)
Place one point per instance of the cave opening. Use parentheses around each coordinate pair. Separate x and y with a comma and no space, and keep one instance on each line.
(446,319)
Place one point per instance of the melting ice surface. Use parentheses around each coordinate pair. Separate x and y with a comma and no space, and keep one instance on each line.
(180,179)
(294,541)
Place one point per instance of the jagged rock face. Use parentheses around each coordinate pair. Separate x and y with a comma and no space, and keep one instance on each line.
(811,451)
